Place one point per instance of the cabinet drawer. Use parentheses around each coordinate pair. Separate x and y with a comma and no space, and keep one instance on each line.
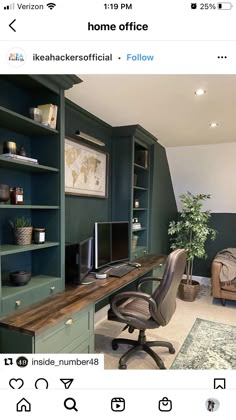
(85,347)
(77,327)
(77,346)
(29,294)
(139,253)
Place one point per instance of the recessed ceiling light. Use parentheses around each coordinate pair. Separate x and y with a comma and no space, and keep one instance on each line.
(200,92)
(214,124)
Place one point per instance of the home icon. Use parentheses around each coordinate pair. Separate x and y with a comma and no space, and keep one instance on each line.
(23,405)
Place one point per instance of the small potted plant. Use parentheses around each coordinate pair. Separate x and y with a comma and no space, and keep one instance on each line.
(22,228)
(191,232)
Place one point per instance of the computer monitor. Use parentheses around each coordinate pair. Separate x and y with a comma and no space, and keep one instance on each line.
(111,243)
(85,257)
(78,260)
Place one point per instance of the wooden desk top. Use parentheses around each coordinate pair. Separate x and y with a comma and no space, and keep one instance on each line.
(36,318)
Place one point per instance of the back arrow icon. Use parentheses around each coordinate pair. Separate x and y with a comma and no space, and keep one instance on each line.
(12,26)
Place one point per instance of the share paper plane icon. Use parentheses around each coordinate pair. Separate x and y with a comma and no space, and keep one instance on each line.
(67,382)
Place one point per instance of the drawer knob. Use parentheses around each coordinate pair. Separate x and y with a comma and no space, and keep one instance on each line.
(160,265)
(52,288)
(18,302)
(145,252)
(69,321)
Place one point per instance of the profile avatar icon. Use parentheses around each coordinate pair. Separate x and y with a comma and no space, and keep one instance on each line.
(212,404)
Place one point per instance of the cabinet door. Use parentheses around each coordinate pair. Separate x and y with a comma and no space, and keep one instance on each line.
(75,329)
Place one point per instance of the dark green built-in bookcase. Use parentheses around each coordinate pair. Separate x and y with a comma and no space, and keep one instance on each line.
(43,186)
(131,179)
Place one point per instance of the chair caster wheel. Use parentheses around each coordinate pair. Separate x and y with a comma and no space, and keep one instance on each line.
(172,351)
(122,366)
(114,346)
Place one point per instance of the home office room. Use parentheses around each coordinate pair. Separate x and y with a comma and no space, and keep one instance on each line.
(117,215)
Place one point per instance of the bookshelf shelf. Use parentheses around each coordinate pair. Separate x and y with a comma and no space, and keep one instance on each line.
(18,165)
(24,125)
(15,249)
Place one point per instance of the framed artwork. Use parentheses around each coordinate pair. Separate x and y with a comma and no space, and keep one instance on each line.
(86,170)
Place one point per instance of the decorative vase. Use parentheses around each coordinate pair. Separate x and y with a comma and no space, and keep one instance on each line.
(23,236)
(4,193)
(188,292)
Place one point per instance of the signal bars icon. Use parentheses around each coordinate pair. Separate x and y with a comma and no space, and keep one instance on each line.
(51,5)
(9,7)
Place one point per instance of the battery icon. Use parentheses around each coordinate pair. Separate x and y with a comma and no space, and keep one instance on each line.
(226,5)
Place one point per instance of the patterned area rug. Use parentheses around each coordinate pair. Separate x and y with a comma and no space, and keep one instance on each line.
(209,345)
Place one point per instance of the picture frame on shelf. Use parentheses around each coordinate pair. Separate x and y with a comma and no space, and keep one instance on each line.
(86,170)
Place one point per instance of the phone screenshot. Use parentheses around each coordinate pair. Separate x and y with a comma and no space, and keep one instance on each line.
(117,209)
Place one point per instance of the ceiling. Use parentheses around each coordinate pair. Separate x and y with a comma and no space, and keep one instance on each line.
(165,105)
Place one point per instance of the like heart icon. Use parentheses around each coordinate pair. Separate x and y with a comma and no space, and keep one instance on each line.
(16,383)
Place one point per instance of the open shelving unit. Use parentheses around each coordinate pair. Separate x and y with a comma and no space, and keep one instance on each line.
(43,187)
(131,154)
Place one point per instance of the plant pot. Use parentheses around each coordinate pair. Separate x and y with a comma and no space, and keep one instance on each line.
(23,236)
(188,292)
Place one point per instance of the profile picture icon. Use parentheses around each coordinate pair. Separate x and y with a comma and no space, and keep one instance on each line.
(212,404)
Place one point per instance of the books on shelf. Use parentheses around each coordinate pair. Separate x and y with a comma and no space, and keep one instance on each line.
(136,226)
(49,115)
(18,157)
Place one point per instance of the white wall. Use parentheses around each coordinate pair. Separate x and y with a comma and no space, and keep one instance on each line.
(206,169)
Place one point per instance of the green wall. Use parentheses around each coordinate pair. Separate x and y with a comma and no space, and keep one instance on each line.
(82,212)
(225,224)
(163,204)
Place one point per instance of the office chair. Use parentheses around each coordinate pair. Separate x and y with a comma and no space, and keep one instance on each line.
(143,311)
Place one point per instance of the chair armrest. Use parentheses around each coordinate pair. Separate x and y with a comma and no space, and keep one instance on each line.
(127,295)
(146,279)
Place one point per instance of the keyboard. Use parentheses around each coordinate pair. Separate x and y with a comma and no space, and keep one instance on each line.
(119,271)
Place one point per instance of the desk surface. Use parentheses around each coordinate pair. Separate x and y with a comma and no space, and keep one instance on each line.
(42,315)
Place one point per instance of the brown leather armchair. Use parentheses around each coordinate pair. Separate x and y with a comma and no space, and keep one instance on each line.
(221,291)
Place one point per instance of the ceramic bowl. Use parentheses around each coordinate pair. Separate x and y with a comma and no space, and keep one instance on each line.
(20,278)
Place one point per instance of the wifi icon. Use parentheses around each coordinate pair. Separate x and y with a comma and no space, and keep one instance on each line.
(51,5)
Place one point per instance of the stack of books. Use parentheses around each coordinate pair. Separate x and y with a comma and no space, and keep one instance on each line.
(20,158)
(49,115)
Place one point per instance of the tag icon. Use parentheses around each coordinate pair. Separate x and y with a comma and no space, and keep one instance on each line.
(165,404)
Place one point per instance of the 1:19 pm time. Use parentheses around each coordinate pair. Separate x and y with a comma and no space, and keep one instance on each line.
(116,6)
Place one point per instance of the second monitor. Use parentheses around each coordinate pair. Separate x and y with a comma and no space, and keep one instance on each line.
(78,260)
(111,243)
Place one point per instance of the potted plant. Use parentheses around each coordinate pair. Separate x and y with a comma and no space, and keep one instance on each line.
(191,232)
(22,228)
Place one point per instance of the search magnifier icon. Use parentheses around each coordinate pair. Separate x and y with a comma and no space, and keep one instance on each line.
(70,404)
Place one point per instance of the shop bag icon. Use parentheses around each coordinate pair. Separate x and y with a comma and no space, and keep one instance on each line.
(165,404)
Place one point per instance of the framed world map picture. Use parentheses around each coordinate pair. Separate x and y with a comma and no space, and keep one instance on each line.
(86,170)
